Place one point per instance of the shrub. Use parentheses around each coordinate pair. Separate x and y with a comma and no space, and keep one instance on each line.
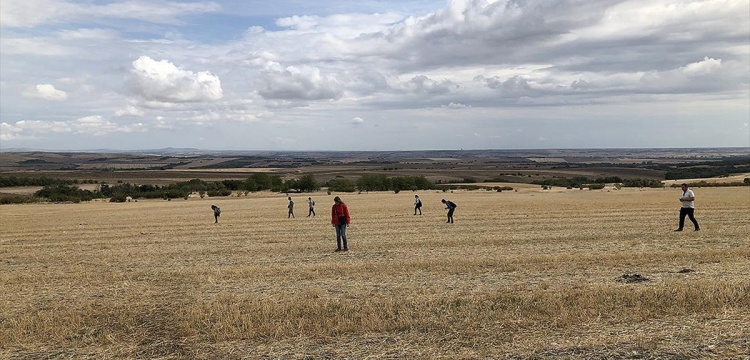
(119,197)
(18,199)
(219,192)
(341,185)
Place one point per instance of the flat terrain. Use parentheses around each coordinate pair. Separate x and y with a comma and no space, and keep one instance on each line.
(165,166)
(525,274)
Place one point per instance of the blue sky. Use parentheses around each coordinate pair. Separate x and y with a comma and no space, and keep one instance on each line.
(374,75)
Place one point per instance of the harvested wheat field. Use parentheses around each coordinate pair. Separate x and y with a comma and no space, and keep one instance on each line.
(533,274)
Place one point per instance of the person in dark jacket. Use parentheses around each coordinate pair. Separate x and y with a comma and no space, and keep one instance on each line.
(291,208)
(217,213)
(451,206)
(340,220)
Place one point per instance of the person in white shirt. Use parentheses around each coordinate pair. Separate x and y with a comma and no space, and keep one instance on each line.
(688,208)
(417,205)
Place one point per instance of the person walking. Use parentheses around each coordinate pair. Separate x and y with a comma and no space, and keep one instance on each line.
(340,220)
(451,206)
(688,208)
(291,208)
(417,205)
(217,213)
(311,204)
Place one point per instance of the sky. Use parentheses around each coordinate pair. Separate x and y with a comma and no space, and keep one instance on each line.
(374,75)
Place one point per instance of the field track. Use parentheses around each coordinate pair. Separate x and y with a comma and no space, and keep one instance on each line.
(526,274)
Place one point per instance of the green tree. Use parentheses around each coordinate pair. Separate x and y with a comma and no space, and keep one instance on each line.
(373,183)
(307,183)
(342,185)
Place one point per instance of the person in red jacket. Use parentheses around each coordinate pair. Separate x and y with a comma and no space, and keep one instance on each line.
(340,220)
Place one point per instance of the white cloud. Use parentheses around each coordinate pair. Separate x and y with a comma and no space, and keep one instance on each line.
(160,122)
(87,34)
(30,13)
(298,83)
(130,110)
(46,92)
(90,125)
(707,66)
(39,46)
(9,132)
(44,126)
(453,105)
(423,85)
(162,81)
(358,121)
(94,125)
(707,75)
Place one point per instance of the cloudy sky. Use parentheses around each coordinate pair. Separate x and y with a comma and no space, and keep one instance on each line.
(374,74)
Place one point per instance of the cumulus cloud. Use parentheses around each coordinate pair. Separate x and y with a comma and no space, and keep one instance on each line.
(358,121)
(516,87)
(423,85)
(298,83)
(707,66)
(706,75)
(455,106)
(37,126)
(130,110)
(46,92)
(9,132)
(162,81)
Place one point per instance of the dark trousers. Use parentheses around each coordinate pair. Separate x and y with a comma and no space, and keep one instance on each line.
(689,212)
(417,208)
(311,212)
(450,215)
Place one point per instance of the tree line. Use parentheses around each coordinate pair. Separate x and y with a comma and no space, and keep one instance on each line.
(708,169)
(598,183)
(59,190)
(13,181)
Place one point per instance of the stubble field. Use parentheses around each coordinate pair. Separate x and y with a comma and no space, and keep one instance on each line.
(524,275)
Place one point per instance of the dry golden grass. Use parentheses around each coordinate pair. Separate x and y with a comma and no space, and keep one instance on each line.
(522,275)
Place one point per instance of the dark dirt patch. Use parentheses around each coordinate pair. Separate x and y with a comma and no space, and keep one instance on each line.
(632,278)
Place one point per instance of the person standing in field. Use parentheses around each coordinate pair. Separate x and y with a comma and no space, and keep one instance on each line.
(417,205)
(451,206)
(340,220)
(291,208)
(688,208)
(311,205)
(217,213)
